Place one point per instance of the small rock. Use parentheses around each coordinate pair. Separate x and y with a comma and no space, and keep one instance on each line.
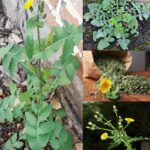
(2,42)
(5,83)
(70,123)
(26,148)
(79,146)
(16,31)
(14,38)
(9,25)
(18,125)
(56,104)
(1,140)
(1,92)
(9,134)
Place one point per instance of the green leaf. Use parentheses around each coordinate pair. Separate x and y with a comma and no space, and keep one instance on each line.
(61,113)
(96,22)
(63,79)
(5,50)
(67,50)
(63,135)
(113,145)
(31,119)
(17,112)
(26,96)
(2,115)
(14,143)
(43,140)
(49,50)
(58,127)
(34,107)
(44,114)
(87,16)
(45,128)
(29,46)
(124,43)
(11,58)
(68,144)
(99,34)
(31,23)
(6,62)
(102,44)
(6,108)
(70,71)
(11,101)
(18,144)
(31,130)
(33,143)
(13,67)
(9,115)
(68,32)
(14,138)
(13,88)
(146,14)
(55,143)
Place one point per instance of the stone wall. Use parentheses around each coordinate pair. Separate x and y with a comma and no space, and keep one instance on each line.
(0,6)
(56,10)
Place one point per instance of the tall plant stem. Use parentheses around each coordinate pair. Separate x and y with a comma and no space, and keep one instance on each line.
(117,6)
(39,61)
(128,145)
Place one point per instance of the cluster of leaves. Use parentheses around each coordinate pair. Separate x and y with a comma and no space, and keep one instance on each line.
(115,132)
(15,142)
(42,124)
(41,128)
(112,67)
(116,21)
(113,93)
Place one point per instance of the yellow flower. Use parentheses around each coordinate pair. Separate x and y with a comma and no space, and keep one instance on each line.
(129,120)
(28,4)
(104,136)
(105,85)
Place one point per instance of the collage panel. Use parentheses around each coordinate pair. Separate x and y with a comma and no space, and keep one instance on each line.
(119,126)
(116,25)
(116,76)
(41,75)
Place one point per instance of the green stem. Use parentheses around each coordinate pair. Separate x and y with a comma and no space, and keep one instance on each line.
(117,6)
(98,128)
(128,145)
(124,4)
(39,101)
(126,126)
(108,124)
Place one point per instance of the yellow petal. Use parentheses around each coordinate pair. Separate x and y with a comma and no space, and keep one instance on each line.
(104,136)
(28,4)
(129,120)
(105,85)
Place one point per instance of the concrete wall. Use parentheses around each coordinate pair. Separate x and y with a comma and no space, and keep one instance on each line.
(139,62)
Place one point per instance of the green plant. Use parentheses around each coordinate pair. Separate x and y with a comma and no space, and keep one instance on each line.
(42,123)
(116,21)
(15,142)
(116,133)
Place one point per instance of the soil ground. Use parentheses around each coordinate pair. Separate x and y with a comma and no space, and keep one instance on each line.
(140,43)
